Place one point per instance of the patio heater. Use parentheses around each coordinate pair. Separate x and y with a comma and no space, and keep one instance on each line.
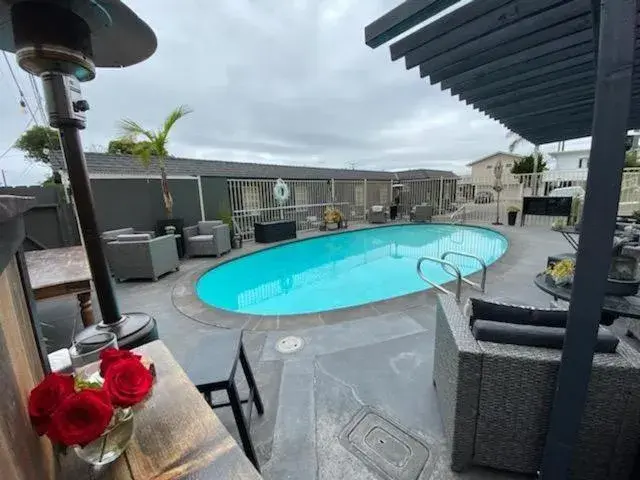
(62,42)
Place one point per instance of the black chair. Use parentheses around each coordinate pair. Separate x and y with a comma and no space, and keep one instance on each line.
(212,367)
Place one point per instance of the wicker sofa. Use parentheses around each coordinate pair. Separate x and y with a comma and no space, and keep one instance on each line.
(111,235)
(142,256)
(495,401)
(207,238)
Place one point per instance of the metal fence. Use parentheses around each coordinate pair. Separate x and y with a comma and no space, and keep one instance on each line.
(465,199)
(252,200)
(477,202)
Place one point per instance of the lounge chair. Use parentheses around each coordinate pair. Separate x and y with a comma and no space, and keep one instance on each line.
(421,213)
(495,400)
(377,214)
(207,238)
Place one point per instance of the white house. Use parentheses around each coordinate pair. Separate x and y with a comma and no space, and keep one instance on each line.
(571,160)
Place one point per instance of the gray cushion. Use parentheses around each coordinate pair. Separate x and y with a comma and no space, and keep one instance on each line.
(535,336)
(112,234)
(134,237)
(206,228)
(518,314)
(201,238)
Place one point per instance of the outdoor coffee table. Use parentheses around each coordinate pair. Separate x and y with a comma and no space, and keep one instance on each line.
(612,308)
(58,272)
(571,235)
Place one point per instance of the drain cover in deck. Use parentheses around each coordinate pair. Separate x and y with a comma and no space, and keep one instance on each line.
(289,344)
(384,446)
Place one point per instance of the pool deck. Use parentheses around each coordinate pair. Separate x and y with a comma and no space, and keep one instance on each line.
(376,357)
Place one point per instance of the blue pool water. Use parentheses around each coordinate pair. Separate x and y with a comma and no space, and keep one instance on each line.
(344,270)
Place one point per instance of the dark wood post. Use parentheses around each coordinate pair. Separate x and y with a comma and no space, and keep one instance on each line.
(615,58)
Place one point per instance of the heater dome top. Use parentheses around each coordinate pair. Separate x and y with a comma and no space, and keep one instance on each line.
(117,36)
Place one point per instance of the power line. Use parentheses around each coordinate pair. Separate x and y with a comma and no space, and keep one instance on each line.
(38,97)
(23,99)
(25,171)
(13,143)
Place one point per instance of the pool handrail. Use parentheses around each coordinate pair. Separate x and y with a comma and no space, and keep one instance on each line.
(444,264)
(481,286)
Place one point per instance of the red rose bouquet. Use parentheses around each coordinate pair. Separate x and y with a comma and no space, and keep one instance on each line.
(94,417)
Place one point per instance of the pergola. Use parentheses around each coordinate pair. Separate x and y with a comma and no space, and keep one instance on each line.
(547,70)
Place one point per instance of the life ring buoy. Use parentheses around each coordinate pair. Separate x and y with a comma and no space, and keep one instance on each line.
(281,191)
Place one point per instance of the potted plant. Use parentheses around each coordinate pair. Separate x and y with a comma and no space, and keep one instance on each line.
(227,219)
(512,214)
(558,224)
(562,272)
(154,146)
(332,218)
(576,210)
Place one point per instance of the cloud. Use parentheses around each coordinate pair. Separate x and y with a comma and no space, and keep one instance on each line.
(279,82)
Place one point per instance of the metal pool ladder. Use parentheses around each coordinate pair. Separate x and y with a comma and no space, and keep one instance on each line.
(456,272)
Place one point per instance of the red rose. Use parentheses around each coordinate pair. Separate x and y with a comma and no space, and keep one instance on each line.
(128,382)
(111,355)
(46,397)
(81,418)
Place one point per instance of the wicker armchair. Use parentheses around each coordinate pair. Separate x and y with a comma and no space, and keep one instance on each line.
(207,238)
(141,256)
(377,214)
(421,213)
(495,402)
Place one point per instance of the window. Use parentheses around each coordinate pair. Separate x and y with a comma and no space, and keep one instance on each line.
(489,167)
(384,195)
(508,165)
(359,193)
(583,163)
(250,197)
(300,196)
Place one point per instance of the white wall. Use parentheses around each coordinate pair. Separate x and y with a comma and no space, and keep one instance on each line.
(571,160)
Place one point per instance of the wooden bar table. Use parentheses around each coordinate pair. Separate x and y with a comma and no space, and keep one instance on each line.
(176,435)
(58,272)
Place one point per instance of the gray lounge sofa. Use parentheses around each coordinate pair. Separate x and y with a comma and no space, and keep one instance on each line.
(111,235)
(495,401)
(378,214)
(142,256)
(207,238)
(421,213)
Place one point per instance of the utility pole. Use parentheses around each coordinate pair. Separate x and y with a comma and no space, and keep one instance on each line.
(4,179)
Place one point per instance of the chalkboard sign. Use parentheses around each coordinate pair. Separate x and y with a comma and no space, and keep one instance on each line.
(547,206)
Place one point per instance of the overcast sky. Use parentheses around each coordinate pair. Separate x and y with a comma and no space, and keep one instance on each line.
(287,81)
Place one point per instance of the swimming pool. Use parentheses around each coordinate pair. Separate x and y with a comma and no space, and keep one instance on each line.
(344,270)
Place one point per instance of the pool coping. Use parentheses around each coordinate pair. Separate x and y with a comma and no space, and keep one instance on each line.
(185,299)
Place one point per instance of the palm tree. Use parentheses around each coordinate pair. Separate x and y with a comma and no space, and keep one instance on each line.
(154,145)
(517,140)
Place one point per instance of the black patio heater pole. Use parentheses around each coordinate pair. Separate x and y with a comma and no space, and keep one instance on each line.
(55,40)
(615,59)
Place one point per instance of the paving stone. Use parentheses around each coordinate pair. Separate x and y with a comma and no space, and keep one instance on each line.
(294,445)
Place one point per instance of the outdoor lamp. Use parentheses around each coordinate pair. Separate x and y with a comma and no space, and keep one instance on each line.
(63,42)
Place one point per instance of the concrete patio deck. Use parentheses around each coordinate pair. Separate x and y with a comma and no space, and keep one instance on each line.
(379,363)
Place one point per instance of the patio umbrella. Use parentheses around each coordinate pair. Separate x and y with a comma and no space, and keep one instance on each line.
(497,187)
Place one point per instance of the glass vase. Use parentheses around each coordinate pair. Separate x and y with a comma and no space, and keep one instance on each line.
(112,443)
